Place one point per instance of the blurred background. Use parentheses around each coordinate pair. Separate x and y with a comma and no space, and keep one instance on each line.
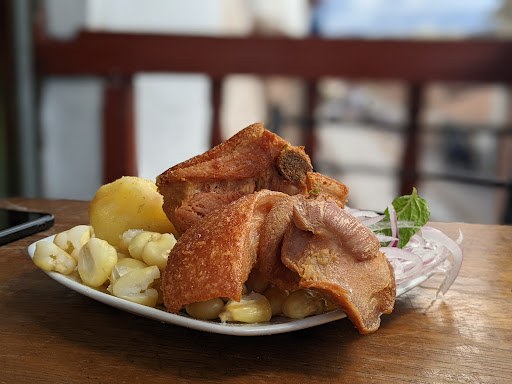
(384,95)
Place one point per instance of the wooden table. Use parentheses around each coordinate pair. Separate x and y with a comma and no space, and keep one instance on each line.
(53,335)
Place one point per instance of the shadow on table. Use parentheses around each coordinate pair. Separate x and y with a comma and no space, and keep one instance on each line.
(112,343)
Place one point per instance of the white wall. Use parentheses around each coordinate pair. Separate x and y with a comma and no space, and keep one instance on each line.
(172,120)
(71,137)
(192,17)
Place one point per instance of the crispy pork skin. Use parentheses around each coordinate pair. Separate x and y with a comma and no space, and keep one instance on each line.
(277,222)
(252,160)
(215,256)
(317,184)
(294,241)
(334,253)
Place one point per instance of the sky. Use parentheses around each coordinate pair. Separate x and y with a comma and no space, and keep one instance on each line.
(403,18)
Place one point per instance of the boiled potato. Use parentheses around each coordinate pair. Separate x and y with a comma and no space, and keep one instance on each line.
(127,203)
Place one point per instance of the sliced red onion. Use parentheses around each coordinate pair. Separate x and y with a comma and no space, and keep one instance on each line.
(428,251)
(415,240)
(387,225)
(394,225)
(410,263)
(384,239)
(441,240)
(372,220)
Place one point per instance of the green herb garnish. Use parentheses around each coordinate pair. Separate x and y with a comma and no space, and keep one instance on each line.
(408,208)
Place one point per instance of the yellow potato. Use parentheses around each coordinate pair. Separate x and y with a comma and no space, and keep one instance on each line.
(127,203)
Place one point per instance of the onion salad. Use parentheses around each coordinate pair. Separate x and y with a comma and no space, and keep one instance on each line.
(413,249)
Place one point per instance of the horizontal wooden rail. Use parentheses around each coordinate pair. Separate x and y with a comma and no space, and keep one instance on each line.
(412,61)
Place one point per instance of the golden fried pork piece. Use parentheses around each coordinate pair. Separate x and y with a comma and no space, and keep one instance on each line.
(252,160)
(294,241)
(215,256)
(333,252)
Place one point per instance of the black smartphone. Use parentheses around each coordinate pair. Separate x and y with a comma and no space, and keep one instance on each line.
(15,225)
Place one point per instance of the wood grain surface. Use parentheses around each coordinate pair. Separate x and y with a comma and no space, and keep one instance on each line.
(49,334)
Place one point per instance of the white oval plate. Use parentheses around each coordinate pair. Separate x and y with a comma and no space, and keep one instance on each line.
(277,325)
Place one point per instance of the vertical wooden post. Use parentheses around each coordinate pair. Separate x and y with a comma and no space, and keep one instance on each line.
(10,177)
(309,122)
(409,172)
(504,169)
(118,130)
(216,95)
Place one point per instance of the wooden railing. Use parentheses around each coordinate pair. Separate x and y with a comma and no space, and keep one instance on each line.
(117,57)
